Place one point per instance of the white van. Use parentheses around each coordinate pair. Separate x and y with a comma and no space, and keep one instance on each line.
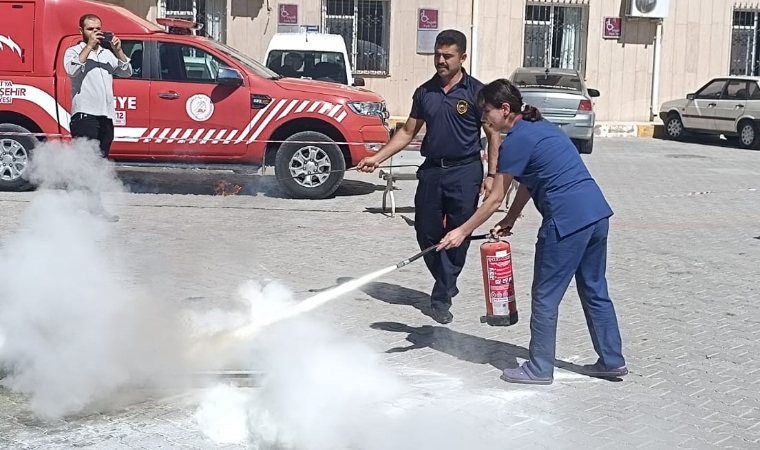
(316,56)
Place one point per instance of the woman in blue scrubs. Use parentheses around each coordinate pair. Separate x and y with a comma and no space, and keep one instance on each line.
(572,239)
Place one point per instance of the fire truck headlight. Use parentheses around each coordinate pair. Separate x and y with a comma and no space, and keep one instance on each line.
(374,109)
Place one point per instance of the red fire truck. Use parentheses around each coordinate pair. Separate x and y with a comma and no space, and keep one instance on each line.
(191,101)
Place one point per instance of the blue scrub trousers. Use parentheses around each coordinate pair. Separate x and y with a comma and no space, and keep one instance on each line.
(582,254)
(452,192)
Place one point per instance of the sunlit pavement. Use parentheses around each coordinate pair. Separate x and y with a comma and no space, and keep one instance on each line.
(683,264)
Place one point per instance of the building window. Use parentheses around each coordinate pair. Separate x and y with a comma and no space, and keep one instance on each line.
(555,36)
(744,43)
(212,14)
(365,26)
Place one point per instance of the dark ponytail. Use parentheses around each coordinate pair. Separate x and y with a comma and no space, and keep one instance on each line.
(531,113)
(501,91)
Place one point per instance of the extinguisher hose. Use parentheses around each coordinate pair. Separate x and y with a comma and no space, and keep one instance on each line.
(477,237)
(308,174)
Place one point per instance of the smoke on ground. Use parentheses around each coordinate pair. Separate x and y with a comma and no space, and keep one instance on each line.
(75,326)
(324,390)
(78,330)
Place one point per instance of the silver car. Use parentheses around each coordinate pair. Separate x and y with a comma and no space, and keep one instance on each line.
(563,99)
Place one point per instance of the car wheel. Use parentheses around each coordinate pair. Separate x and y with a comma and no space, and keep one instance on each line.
(674,126)
(585,147)
(15,154)
(748,134)
(312,170)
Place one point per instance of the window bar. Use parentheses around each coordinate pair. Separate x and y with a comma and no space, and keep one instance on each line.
(355,34)
(754,45)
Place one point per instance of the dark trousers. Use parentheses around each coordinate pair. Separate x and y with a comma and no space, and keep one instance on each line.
(450,192)
(99,128)
(582,255)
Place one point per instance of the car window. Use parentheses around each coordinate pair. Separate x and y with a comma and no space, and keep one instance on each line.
(182,62)
(548,80)
(736,90)
(754,91)
(250,63)
(712,90)
(317,65)
(134,51)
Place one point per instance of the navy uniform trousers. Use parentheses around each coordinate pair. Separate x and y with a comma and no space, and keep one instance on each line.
(582,254)
(451,191)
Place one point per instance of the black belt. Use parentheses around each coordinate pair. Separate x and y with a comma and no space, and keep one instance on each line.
(83,115)
(445,162)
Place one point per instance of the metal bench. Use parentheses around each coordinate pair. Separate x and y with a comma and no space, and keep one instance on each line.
(393,174)
(412,157)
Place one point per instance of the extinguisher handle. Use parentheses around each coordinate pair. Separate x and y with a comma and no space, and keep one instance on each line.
(433,247)
(503,232)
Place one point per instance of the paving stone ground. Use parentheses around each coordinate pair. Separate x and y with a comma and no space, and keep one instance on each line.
(684,253)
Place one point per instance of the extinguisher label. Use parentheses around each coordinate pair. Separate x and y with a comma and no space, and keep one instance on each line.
(500,282)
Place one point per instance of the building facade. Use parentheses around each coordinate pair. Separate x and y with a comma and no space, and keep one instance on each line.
(635,62)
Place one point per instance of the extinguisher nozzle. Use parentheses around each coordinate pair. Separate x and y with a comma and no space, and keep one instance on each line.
(417,256)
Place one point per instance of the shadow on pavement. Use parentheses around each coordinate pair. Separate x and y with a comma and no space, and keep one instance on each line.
(465,347)
(399,210)
(701,139)
(220,183)
(390,293)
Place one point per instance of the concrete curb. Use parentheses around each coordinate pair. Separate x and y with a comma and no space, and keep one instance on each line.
(601,130)
(644,130)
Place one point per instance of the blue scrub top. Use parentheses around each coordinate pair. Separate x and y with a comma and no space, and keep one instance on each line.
(542,157)
(452,119)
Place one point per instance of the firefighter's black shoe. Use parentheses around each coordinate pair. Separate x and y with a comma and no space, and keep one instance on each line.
(442,316)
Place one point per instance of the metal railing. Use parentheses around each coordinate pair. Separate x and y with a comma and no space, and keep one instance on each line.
(744,43)
(556,35)
(365,26)
(211,13)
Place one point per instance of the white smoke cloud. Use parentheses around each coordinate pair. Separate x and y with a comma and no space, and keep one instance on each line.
(77,164)
(76,328)
(323,390)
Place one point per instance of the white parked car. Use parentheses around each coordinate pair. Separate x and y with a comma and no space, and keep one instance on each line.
(316,56)
(725,105)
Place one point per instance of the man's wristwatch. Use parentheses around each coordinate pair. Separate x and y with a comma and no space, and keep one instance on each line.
(492,175)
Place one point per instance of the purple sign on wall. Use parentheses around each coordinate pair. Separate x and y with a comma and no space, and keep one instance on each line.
(612,27)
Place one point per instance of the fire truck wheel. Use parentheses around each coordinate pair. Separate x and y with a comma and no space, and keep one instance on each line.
(15,153)
(304,162)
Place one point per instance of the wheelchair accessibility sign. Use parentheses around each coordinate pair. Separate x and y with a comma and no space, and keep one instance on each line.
(428,24)
(288,14)
(427,19)
(612,28)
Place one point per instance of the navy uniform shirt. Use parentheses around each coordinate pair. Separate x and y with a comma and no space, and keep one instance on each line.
(452,119)
(542,157)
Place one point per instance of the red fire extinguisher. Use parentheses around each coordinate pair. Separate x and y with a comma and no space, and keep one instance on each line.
(499,284)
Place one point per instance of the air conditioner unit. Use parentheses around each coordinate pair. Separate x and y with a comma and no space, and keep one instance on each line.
(648,9)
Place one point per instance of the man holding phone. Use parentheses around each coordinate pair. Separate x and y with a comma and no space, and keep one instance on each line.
(91,66)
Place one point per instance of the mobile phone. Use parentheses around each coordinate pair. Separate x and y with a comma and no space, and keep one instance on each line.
(105,41)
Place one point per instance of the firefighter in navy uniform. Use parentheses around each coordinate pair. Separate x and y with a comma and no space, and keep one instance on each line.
(450,180)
